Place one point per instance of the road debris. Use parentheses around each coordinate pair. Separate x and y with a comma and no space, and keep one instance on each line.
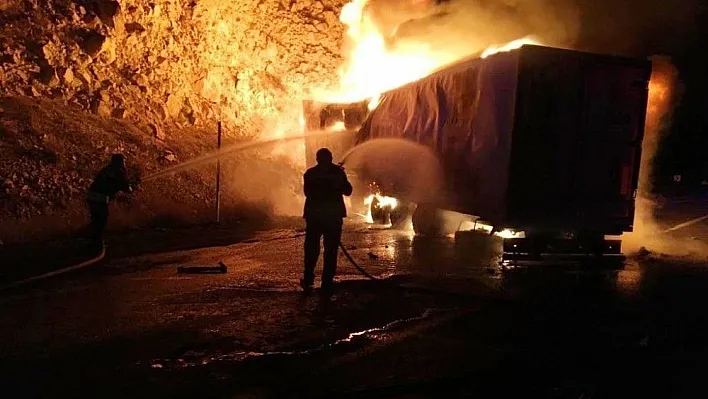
(221,268)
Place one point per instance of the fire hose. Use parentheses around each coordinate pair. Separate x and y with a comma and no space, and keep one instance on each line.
(423,290)
(68,269)
(356,265)
(100,257)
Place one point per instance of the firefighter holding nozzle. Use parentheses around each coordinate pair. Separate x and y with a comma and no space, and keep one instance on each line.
(324,186)
(111,180)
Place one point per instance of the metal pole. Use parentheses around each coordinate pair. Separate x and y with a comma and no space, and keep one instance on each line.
(218,174)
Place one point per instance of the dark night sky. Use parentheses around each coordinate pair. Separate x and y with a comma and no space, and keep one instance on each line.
(674,28)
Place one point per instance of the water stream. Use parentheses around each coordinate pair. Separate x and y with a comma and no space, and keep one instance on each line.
(231,150)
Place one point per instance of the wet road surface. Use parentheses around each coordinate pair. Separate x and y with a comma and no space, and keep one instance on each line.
(445,323)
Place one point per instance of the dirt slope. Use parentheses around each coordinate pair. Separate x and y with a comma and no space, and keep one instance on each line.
(49,153)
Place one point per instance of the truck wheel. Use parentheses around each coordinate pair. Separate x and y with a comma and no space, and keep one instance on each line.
(427,221)
(401,215)
(378,214)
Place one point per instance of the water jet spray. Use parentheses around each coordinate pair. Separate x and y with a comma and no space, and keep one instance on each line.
(230,150)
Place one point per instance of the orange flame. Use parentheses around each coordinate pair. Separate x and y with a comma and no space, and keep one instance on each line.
(382,201)
(513,45)
(372,68)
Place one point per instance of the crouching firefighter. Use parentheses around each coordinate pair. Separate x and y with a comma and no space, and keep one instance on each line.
(109,181)
(324,186)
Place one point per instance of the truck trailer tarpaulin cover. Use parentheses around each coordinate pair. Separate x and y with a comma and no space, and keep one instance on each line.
(537,138)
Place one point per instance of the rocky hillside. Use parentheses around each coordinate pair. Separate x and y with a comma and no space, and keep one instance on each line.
(50,152)
(80,79)
(161,63)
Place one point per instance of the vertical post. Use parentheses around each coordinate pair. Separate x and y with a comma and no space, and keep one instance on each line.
(218,174)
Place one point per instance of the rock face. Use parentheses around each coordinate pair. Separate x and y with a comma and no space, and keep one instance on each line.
(163,62)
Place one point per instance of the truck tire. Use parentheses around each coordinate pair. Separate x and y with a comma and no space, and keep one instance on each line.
(401,216)
(379,215)
(427,221)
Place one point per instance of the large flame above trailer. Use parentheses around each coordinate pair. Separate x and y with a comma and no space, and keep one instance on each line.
(376,61)
(374,65)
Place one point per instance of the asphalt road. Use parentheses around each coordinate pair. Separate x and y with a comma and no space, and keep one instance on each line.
(445,323)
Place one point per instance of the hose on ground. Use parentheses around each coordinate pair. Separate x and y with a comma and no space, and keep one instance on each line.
(356,265)
(77,266)
(411,288)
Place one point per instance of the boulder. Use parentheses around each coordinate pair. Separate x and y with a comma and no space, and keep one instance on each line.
(101,108)
(173,105)
(68,77)
(92,21)
(84,77)
(331,18)
(141,80)
(157,132)
(162,112)
(317,7)
(108,10)
(23,75)
(104,95)
(50,52)
(134,27)
(118,113)
(108,51)
(92,42)
(48,76)
(104,110)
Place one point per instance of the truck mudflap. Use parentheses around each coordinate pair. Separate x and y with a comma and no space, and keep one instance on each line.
(540,248)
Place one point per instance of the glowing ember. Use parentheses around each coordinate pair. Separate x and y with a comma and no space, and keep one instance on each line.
(381,203)
(471,225)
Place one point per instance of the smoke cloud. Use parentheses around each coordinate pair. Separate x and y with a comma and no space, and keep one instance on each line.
(454,29)
(407,167)
(274,181)
(463,27)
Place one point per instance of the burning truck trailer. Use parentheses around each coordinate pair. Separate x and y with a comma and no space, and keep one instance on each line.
(541,143)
